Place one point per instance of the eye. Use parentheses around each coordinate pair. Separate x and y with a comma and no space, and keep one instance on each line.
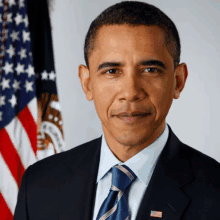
(152,70)
(112,71)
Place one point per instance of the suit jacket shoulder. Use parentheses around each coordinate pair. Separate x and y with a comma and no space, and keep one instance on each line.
(59,162)
(68,176)
(185,184)
(204,167)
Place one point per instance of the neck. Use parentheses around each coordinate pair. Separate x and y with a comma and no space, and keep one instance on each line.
(124,152)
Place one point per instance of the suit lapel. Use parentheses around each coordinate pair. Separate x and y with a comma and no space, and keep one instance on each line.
(79,185)
(164,192)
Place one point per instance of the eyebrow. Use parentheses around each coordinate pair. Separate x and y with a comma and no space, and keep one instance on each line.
(153,63)
(109,64)
(143,62)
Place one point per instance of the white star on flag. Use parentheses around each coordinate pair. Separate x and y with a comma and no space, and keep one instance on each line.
(11,2)
(14,36)
(0,116)
(25,20)
(13,101)
(8,68)
(11,51)
(52,75)
(5,83)
(28,86)
(1,4)
(44,75)
(19,69)
(26,36)
(9,19)
(18,19)
(16,85)
(30,70)
(2,100)
(21,3)
(22,53)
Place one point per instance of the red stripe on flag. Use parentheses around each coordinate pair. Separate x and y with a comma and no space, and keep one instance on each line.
(5,211)
(30,126)
(11,156)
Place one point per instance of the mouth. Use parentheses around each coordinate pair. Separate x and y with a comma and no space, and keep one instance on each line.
(132,117)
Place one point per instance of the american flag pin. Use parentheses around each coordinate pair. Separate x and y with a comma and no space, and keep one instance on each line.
(156,214)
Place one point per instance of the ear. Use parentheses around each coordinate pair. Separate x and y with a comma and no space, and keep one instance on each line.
(85,80)
(181,74)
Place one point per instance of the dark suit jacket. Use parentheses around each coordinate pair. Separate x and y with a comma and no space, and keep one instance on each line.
(185,185)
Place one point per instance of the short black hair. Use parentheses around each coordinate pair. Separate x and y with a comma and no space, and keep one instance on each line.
(134,13)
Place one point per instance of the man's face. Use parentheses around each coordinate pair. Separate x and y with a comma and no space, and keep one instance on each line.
(132,82)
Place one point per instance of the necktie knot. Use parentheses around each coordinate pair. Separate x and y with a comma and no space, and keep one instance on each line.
(122,177)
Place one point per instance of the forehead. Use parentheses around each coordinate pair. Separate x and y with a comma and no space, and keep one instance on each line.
(126,43)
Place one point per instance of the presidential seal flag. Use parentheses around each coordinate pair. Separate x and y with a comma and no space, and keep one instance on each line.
(30,118)
(50,125)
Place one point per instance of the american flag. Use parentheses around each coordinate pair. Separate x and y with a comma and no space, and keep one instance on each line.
(157,214)
(28,97)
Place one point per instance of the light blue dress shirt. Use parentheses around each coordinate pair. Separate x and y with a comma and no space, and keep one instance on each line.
(142,164)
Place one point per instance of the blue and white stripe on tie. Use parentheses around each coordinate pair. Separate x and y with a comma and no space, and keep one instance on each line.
(115,206)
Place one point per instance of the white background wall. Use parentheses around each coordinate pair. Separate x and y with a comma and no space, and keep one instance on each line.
(194,117)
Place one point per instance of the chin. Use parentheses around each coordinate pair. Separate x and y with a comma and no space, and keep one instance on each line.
(133,139)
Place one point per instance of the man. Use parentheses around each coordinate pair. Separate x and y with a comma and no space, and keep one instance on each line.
(138,169)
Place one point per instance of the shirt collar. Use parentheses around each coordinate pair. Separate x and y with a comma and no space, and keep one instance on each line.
(142,164)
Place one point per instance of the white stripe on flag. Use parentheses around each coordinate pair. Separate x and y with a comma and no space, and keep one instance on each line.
(8,185)
(32,105)
(21,142)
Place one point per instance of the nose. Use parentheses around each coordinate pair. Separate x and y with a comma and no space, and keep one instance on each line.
(132,88)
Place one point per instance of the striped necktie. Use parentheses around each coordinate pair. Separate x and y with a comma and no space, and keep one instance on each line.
(115,206)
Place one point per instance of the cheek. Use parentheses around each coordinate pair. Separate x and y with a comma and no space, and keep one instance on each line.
(103,98)
(161,95)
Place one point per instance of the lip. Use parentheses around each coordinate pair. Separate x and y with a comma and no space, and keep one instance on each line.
(132,114)
(131,119)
